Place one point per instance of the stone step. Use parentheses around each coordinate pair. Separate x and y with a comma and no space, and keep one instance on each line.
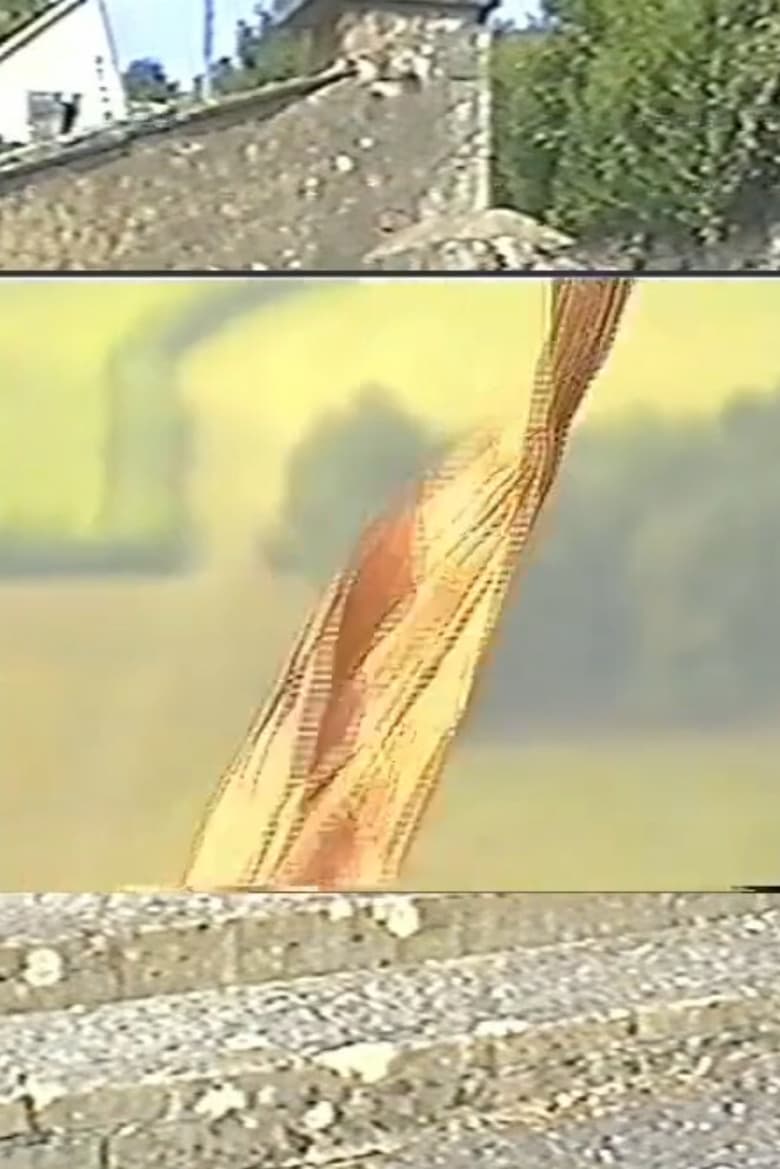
(735,1127)
(59,950)
(332,1067)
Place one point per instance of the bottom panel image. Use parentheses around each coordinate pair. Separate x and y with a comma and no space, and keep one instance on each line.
(399,584)
(389,1030)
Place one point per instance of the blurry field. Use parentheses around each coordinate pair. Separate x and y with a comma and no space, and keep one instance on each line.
(454,353)
(55,340)
(665,812)
(121,701)
(122,704)
(445,349)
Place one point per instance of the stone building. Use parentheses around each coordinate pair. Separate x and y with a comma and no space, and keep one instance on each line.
(389,126)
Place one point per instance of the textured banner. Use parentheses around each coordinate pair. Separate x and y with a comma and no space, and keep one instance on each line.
(335,773)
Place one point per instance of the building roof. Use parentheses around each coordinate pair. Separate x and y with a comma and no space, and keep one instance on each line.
(20,22)
(16,13)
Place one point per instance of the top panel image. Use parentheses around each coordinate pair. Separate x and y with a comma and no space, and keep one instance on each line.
(398,135)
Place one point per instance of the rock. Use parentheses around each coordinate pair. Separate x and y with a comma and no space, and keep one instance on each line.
(496,239)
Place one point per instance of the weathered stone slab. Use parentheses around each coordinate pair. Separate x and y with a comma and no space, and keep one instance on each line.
(53,1153)
(498,238)
(58,950)
(324,1067)
(735,1126)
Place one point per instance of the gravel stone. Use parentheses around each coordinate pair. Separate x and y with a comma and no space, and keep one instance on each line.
(180,1035)
(731,1129)
(104,948)
(578,1030)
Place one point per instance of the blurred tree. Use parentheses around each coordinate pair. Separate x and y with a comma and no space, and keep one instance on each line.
(565,644)
(265,52)
(709,572)
(658,117)
(145,80)
(347,469)
(14,13)
(571,637)
(651,591)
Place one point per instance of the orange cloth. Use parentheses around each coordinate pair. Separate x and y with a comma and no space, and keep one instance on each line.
(335,773)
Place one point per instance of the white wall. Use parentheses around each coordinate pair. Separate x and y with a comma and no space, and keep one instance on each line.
(63,57)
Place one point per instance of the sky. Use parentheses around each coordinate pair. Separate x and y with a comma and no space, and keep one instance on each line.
(172,30)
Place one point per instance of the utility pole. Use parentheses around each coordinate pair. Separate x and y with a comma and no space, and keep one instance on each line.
(208,47)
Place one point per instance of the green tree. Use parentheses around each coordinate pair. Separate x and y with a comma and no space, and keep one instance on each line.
(659,116)
(265,52)
(145,79)
(531,79)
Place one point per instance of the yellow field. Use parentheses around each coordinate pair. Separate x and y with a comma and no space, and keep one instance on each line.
(670,811)
(55,339)
(121,703)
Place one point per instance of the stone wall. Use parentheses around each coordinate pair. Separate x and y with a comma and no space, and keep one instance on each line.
(312,173)
(358,1031)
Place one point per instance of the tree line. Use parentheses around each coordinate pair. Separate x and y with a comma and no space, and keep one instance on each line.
(651,597)
(655,118)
